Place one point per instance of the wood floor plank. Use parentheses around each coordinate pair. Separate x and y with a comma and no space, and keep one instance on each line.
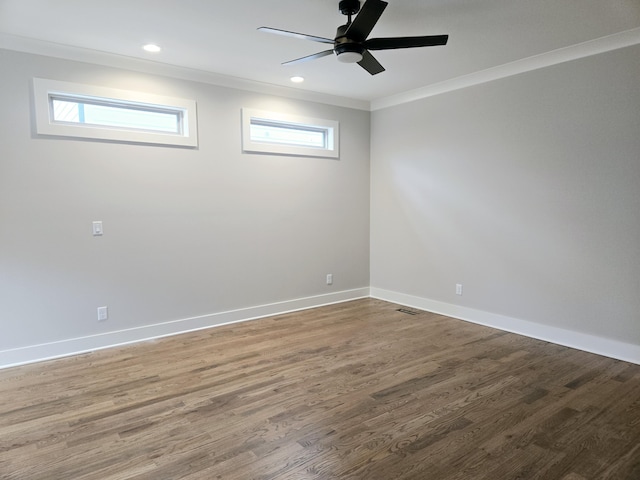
(357,390)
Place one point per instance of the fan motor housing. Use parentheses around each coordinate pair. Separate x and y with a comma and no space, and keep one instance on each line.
(341,48)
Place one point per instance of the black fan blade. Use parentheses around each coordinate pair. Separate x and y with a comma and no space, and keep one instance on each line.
(370,64)
(405,42)
(302,36)
(369,15)
(309,57)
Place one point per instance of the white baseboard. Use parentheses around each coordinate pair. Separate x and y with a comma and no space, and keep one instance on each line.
(589,343)
(74,346)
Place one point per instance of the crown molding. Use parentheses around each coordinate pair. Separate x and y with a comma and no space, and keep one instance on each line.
(604,44)
(67,52)
(616,41)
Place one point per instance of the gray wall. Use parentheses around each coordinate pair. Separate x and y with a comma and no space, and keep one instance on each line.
(526,190)
(187,232)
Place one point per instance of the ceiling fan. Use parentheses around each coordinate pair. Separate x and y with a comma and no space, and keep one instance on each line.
(351,44)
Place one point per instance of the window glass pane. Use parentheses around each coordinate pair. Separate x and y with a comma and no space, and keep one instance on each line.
(65,110)
(288,135)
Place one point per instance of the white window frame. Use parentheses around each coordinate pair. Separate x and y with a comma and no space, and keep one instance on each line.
(45,91)
(331,127)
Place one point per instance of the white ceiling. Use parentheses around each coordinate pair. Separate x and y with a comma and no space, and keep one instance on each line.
(220,36)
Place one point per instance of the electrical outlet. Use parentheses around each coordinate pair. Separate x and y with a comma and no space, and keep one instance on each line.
(329,278)
(458,289)
(103,314)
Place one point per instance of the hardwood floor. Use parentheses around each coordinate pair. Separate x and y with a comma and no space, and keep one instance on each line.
(356,390)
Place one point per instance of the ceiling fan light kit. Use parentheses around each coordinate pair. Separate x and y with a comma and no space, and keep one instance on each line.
(349,52)
(351,44)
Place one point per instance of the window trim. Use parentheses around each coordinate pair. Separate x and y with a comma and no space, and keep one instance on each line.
(46,90)
(332,127)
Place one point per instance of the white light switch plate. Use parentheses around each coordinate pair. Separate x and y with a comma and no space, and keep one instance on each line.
(97,229)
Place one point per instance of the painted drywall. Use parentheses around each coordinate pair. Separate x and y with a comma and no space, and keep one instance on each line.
(526,191)
(187,232)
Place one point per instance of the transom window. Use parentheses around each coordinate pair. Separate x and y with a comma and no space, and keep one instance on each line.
(276,133)
(84,111)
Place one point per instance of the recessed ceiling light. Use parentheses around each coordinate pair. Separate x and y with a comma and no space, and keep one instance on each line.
(297,79)
(151,48)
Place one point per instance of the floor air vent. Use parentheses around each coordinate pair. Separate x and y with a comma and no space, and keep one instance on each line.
(407,311)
